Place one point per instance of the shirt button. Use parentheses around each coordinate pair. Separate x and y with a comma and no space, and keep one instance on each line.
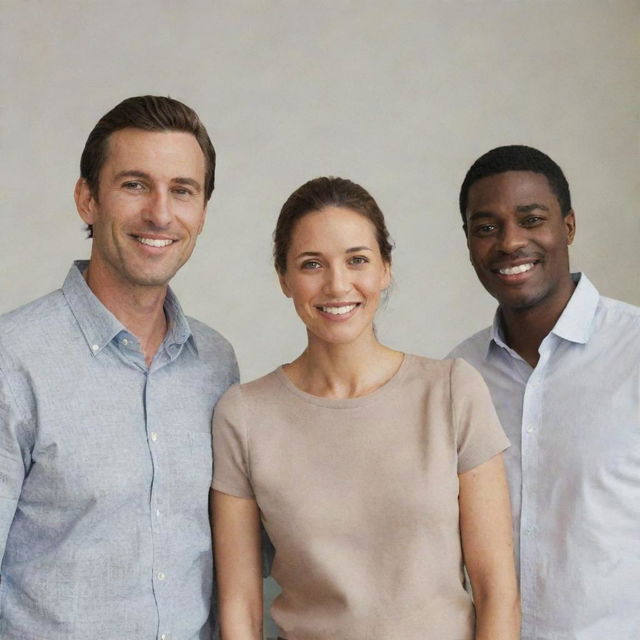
(530,428)
(157,513)
(95,347)
(164,636)
(125,342)
(154,436)
(161,576)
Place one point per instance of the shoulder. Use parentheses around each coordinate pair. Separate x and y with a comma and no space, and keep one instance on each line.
(33,325)
(25,334)
(429,367)
(34,313)
(474,348)
(260,393)
(210,342)
(454,372)
(263,391)
(616,332)
(455,376)
(616,311)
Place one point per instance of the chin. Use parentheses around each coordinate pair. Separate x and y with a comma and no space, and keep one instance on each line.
(519,303)
(154,279)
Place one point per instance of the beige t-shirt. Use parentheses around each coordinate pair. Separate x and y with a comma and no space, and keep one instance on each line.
(360,497)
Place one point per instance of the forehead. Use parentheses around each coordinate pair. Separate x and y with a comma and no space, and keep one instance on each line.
(167,153)
(509,190)
(331,225)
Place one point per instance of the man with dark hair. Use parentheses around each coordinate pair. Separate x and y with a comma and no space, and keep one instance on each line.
(563,367)
(106,396)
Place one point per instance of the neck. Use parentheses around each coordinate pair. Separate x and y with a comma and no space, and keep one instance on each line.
(343,370)
(525,329)
(140,309)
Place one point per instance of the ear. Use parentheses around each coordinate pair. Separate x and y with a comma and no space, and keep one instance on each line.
(204,217)
(570,225)
(386,278)
(282,277)
(85,202)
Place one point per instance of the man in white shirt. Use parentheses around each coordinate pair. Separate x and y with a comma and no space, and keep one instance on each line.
(563,367)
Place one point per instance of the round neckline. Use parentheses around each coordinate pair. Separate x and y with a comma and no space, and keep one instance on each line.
(346,403)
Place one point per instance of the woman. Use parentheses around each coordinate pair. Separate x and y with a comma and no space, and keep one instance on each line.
(375,473)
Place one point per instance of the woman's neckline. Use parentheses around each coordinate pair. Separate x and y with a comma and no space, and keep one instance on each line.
(346,403)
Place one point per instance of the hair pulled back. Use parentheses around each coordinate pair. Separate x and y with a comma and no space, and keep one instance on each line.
(318,194)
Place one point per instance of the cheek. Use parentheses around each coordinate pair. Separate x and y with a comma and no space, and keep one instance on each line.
(477,253)
(373,285)
(301,290)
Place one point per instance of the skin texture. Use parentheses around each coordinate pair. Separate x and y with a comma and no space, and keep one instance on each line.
(487,547)
(238,563)
(151,186)
(334,259)
(514,219)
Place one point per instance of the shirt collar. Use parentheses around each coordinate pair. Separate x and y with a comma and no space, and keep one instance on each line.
(99,326)
(574,324)
(178,329)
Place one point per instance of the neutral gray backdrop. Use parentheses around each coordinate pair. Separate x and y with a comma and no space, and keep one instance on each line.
(400,96)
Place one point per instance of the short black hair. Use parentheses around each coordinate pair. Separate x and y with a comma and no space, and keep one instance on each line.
(516,157)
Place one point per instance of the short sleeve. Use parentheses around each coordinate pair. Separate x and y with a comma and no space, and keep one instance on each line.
(479,435)
(230,446)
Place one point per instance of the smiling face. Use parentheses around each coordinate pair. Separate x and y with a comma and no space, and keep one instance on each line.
(518,240)
(335,274)
(149,208)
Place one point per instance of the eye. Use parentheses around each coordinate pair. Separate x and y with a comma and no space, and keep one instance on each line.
(532,221)
(182,191)
(133,185)
(484,229)
(310,265)
(358,260)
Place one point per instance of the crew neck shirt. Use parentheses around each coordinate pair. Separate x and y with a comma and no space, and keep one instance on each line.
(360,497)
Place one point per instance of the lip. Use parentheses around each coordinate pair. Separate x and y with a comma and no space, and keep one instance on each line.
(338,318)
(152,236)
(515,278)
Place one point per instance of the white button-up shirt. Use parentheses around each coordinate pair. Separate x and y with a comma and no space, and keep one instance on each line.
(573,466)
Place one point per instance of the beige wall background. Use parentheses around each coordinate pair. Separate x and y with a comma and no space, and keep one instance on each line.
(400,96)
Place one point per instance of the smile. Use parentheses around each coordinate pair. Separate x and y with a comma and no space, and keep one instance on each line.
(154,242)
(512,271)
(339,311)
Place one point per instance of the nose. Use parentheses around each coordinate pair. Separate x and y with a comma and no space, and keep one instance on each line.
(336,283)
(157,209)
(512,237)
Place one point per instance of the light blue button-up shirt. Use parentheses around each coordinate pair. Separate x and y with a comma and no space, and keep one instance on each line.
(573,466)
(105,469)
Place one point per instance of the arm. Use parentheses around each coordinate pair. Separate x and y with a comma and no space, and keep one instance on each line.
(236,536)
(485,529)
(15,441)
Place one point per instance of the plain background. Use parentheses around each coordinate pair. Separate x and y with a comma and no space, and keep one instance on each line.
(398,96)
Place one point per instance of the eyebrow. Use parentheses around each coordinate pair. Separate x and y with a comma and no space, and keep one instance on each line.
(521,208)
(527,208)
(134,173)
(312,254)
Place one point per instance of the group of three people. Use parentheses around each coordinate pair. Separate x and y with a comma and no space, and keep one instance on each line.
(376,474)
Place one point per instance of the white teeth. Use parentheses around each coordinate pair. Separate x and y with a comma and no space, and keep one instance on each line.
(152,242)
(338,311)
(512,271)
